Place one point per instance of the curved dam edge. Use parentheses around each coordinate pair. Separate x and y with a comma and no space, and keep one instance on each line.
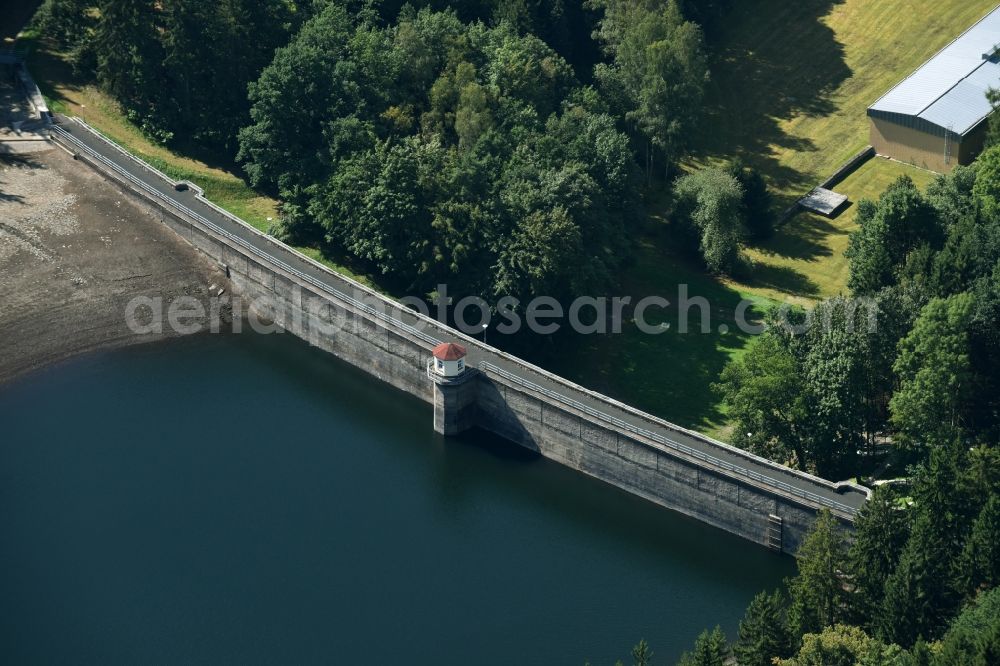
(677,468)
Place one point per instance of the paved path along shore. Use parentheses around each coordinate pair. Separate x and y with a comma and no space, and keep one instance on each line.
(844,499)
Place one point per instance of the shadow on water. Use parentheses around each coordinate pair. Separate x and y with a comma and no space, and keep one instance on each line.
(565,494)
(250,498)
(592,506)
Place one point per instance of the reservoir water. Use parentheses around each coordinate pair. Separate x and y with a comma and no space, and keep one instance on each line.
(247,499)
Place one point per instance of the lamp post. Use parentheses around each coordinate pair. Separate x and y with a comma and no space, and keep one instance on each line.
(485,326)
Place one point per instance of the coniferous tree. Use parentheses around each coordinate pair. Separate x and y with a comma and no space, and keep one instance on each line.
(817,592)
(979,566)
(881,531)
(763,632)
(921,594)
(64,21)
(969,634)
(129,55)
(709,650)
(641,654)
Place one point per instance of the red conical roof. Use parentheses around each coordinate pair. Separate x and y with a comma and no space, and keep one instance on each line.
(449,351)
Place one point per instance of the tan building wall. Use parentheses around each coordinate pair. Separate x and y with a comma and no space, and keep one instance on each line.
(912,146)
(923,149)
(972,143)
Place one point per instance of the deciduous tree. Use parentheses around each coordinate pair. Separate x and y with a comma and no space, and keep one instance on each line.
(763,392)
(711,202)
(900,222)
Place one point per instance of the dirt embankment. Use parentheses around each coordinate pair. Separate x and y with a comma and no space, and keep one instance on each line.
(74,251)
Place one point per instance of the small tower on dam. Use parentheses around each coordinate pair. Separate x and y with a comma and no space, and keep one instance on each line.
(454,389)
(449,359)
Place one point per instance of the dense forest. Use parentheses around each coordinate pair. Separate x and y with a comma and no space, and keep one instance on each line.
(915,586)
(913,358)
(502,147)
(499,146)
(505,147)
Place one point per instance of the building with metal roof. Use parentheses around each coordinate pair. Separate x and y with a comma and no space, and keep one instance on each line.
(936,117)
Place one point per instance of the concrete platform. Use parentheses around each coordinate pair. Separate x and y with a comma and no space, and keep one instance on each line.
(22,127)
(823,201)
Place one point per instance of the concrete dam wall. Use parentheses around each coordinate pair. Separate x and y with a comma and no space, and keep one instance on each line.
(676,468)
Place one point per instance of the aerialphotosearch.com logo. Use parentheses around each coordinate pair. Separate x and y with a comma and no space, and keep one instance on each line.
(313,316)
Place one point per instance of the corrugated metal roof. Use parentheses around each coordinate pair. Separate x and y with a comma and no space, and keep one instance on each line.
(949,90)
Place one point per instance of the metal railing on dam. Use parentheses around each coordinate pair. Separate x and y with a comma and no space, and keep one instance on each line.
(153,184)
(236,240)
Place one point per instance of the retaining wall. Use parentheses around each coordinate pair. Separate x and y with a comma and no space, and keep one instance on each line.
(849,167)
(642,467)
(390,354)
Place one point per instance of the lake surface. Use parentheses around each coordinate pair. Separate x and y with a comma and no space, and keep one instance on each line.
(247,499)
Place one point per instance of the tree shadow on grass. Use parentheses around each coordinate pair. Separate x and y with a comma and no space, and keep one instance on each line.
(48,68)
(54,74)
(783,279)
(668,373)
(804,237)
(775,59)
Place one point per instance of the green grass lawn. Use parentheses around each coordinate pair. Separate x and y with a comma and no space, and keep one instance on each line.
(805,260)
(790,85)
(669,373)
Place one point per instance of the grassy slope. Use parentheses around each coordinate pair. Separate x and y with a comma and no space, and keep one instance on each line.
(791,82)
(669,374)
(811,262)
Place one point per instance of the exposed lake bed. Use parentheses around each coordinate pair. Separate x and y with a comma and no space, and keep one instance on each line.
(74,251)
